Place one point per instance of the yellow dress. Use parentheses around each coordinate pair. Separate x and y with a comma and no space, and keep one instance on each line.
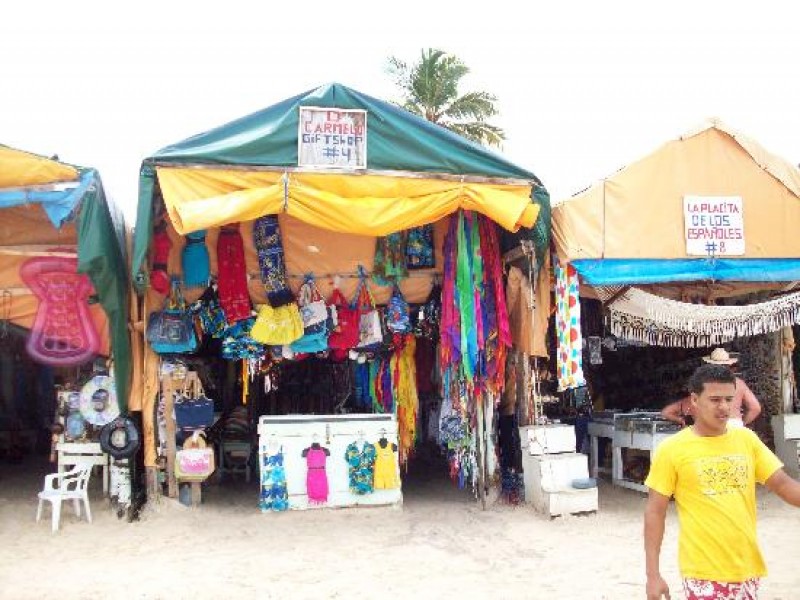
(386,467)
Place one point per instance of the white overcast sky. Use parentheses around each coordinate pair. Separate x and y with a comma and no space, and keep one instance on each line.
(583,87)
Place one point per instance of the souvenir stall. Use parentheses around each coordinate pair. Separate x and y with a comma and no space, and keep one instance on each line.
(344,259)
(685,250)
(64,346)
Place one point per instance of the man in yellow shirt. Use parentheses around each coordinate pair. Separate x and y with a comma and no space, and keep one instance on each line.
(711,470)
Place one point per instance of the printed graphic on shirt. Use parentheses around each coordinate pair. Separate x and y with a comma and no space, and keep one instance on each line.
(721,474)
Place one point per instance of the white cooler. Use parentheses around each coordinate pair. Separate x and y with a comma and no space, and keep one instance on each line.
(548,439)
(550,465)
(548,483)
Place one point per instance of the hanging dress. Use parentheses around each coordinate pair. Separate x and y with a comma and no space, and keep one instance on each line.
(274,495)
(316,478)
(385,467)
(232,276)
(361,464)
(194,259)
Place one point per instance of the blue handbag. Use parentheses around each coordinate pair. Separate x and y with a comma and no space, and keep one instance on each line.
(311,342)
(171,330)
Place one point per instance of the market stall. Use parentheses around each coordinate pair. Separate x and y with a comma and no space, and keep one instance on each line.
(689,248)
(63,306)
(345,259)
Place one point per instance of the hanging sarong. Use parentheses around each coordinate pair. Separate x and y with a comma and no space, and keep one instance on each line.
(269,247)
(232,275)
(568,328)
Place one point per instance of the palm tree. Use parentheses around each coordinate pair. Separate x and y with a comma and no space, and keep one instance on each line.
(430,90)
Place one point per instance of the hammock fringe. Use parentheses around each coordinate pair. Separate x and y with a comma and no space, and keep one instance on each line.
(643,317)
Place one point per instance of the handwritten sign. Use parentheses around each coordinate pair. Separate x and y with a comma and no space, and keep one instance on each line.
(714,225)
(332,137)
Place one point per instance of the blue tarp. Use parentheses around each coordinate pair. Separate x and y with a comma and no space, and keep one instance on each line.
(625,271)
(58,202)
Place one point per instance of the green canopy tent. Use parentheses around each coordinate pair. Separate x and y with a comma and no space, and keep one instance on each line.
(400,143)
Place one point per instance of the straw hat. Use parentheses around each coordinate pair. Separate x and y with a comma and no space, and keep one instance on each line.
(720,356)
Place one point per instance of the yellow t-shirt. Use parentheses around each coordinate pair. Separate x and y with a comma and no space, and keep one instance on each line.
(713,481)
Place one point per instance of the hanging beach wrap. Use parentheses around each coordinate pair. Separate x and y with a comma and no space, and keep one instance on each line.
(449,327)
(390,259)
(568,328)
(269,247)
(419,248)
(194,260)
(466,297)
(397,320)
(232,275)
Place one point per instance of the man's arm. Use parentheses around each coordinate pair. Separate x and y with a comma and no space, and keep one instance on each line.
(785,487)
(750,405)
(655,513)
(672,412)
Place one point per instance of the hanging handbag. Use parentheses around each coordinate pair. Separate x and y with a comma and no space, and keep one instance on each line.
(315,316)
(313,310)
(277,326)
(370,330)
(171,330)
(209,311)
(196,461)
(344,335)
(397,319)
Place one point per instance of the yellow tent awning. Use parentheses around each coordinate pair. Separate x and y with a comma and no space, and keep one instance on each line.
(22,169)
(200,198)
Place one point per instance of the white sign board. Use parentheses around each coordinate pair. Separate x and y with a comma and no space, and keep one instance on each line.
(713,225)
(332,138)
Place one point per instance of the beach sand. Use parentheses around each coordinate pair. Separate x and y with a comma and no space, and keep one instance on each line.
(439,544)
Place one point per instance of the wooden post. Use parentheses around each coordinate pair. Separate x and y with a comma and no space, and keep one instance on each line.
(167,390)
(196,494)
(480,452)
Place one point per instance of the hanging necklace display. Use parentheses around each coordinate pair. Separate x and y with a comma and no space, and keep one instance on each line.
(99,401)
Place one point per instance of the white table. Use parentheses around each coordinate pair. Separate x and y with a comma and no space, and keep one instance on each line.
(636,440)
(73,453)
(598,430)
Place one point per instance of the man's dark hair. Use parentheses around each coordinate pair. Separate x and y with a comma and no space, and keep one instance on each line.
(710,374)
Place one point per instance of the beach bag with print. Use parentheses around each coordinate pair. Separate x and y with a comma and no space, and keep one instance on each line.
(313,310)
(397,319)
(277,326)
(209,311)
(344,334)
(171,330)
(370,330)
(195,462)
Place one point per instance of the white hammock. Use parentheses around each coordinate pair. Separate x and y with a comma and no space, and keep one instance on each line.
(644,317)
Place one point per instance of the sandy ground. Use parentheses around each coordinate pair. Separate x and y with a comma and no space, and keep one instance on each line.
(438,545)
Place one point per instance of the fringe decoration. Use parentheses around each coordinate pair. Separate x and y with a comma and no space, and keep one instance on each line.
(640,316)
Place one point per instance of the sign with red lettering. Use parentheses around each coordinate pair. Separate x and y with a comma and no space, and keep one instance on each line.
(714,225)
(332,138)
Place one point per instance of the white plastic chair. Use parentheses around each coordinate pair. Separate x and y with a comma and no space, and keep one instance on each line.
(72,485)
